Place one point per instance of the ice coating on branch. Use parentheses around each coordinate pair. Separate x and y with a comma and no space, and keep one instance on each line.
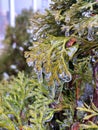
(39,74)
(90,33)
(67,19)
(87,14)
(34,38)
(64,77)
(58,22)
(67,29)
(47,76)
(30,63)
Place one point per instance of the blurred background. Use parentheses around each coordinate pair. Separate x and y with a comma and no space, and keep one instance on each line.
(14,35)
(9,9)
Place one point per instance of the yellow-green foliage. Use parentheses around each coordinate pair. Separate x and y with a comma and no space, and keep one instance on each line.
(90,112)
(51,57)
(23,99)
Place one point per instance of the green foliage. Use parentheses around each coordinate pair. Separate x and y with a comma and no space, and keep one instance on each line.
(39,110)
(13,102)
(89,126)
(91,112)
(21,100)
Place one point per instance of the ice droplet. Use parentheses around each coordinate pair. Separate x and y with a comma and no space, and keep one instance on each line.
(34,38)
(49,119)
(87,14)
(58,22)
(56,83)
(67,31)
(90,34)
(81,32)
(5,75)
(14,45)
(47,76)
(79,29)
(64,77)
(30,63)
(67,19)
(39,75)
(93,60)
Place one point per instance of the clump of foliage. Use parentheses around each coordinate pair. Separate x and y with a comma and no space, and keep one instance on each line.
(17,40)
(64,54)
(24,104)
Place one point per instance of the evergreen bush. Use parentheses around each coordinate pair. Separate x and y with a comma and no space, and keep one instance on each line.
(64,57)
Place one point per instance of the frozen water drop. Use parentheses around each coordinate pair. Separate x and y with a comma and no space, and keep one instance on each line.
(58,22)
(49,119)
(67,31)
(67,19)
(64,77)
(13,66)
(5,76)
(34,38)
(30,63)
(56,83)
(14,45)
(90,34)
(81,32)
(93,60)
(47,76)
(39,75)
(87,14)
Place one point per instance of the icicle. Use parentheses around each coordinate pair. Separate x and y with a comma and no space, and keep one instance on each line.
(79,29)
(43,35)
(90,33)
(30,63)
(39,75)
(87,14)
(93,60)
(67,29)
(49,119)
(47,76)
(56,83)
(64,77)
(81,32)
(58,22)
(67,19)
(34,38)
